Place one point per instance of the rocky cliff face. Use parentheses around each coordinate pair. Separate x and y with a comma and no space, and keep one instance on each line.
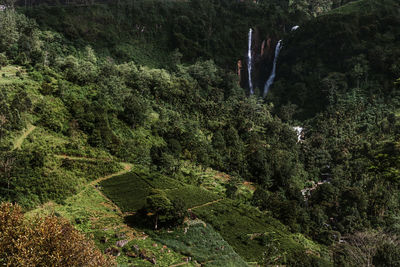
(263,50)
(263,44)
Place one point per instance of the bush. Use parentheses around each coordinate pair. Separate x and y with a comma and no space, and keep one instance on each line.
(203,243)
(53,114)
(387,255)
(48,241)
(3,60)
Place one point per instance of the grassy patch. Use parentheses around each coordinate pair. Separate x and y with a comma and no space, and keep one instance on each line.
(93,214)
(201,242)
(89,169)
(192,196)
(129,191)
(214,181)
(18,141)
(8,75)
(364,6)
(47,140)
(252,233)
(59,178)
(58,143)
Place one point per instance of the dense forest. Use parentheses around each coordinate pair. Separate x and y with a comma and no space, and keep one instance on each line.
(129,134)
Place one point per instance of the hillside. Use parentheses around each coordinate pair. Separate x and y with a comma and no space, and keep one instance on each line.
(355,46)
(131,121)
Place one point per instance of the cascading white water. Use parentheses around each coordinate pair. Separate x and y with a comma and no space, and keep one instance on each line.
(271,78)
(250,60)
(295,27)
(299,132)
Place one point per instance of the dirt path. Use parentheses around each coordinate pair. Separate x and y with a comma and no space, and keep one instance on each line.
(206,204)
(18,142)
(179,264)
(127,167)
(131,234)
(81,158)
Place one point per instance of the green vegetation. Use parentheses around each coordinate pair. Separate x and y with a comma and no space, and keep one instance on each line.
(88,89)
(200,241)
(90,212)
(354,46)
(258,237)
(9,75)
(192,196)
(129,191)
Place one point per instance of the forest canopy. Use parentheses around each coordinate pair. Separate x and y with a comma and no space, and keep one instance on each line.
(138,104)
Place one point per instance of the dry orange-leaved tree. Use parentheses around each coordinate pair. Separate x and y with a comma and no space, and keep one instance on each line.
(48,241)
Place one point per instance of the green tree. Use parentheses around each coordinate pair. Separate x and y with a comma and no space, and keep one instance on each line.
(9,33)
(163,210)
(387,255)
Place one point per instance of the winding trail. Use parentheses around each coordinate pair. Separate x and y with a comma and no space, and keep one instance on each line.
(18,142)
(123,227)
(179,264)
(127,168)
(62,156)
(206,204)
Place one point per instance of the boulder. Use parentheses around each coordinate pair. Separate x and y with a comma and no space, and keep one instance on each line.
(113,251)
(131,254)
(121,243)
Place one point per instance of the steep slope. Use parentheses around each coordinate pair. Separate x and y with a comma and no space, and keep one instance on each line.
(103,84)
(354,46)
(149,31)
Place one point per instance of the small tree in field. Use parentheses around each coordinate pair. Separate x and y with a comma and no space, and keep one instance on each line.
(164,210)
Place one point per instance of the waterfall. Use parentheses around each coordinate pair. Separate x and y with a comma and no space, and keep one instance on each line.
(271,78)
(295,27)
(299,132)
(250,61)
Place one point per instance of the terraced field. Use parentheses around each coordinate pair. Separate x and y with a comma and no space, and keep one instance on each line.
(129,191)
(201,242)
(240,225)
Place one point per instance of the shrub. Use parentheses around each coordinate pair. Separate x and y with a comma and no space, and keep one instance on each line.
(387,255)
(3,60)
(53,114)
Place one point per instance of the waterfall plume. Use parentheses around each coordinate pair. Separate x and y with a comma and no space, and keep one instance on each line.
(271,78)
(299,131)
(295,27)
(250,60)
